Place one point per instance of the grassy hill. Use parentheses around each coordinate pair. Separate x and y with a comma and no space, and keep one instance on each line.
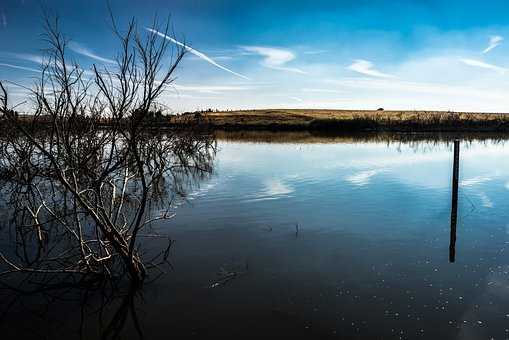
(357,120)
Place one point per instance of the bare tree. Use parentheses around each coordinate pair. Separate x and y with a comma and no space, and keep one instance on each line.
(83,167)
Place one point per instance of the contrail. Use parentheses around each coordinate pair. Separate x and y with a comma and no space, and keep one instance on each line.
(197,53)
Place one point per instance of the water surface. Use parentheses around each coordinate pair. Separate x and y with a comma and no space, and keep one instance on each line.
(332,239)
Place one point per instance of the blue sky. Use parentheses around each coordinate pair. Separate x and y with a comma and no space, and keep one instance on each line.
(448,55)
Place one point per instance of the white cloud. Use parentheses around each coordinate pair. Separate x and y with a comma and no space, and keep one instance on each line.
(186,96)
(366,67)
(197,53)
(210,88)
(74,46)
(223,57)
(313,52)
(297,99)
(495,40)
(20,67)
(319,90)
(37,59)
(3,19)
(395,85)
(275,58)
(482,64)
(34,58)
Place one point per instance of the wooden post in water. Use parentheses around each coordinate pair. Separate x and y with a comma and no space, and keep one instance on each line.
(454,206)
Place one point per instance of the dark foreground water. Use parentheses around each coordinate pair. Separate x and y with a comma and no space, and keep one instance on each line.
(320,240)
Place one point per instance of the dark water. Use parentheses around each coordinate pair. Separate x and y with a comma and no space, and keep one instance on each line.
(322,240)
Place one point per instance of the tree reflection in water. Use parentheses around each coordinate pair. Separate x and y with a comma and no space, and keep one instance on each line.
(87,172)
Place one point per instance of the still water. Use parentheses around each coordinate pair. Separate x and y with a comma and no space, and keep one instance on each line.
(326,239)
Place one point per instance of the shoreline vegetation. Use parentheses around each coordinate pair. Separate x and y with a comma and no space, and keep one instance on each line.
(351,121)
(314,121)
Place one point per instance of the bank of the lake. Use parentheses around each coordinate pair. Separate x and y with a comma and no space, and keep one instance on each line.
(356,120)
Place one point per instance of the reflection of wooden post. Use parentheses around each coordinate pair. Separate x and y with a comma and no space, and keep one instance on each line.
(454,207)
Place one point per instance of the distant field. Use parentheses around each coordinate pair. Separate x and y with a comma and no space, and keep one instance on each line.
(349,120)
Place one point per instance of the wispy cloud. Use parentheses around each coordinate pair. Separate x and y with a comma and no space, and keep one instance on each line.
(482,64)
(275,58)
(34,58)
(297,99)
(197,53)
(87,73)
(495,40)
(223,57)
(396,85)
(315,90)
(3,19)
(366,67)
(211,88)
(313,52)
(19,67)
(80,49)
(188,96)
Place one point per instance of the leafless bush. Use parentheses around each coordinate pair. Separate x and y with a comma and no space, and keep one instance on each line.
(81,170)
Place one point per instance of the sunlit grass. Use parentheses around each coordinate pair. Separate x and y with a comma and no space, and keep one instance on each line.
(360,120)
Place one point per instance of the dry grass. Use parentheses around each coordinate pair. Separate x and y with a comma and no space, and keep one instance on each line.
(349,120)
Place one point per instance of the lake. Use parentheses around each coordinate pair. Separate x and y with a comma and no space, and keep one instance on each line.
(323,238)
